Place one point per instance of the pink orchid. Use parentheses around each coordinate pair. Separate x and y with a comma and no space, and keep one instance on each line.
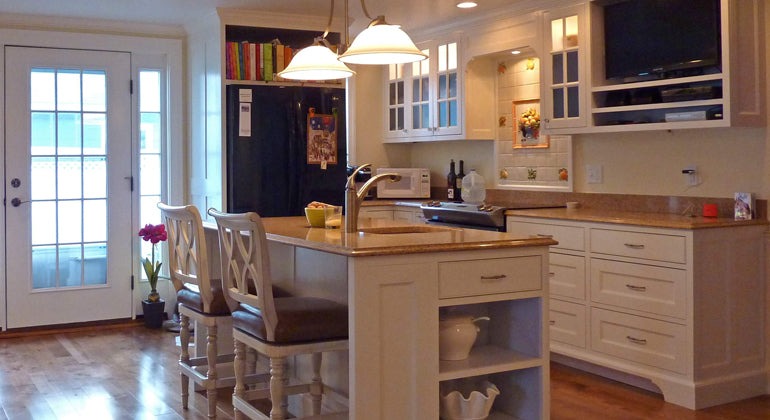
(154,234)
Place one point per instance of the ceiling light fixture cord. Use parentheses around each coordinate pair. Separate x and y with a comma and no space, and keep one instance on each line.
(366,13)
(329,24)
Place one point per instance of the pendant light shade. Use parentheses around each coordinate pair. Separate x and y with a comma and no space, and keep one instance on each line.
(381,43)
(316,62)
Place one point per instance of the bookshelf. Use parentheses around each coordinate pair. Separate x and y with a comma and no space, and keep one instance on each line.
(257,54)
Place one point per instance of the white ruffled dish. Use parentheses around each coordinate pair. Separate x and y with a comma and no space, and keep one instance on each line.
(476,407)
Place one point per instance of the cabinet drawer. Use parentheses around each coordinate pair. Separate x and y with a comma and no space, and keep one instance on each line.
(569,237)
(567,275)
(568,323)
(645,288)
(648,246)
(489,276)
(641,340)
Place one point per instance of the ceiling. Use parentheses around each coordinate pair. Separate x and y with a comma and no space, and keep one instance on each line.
(408,13)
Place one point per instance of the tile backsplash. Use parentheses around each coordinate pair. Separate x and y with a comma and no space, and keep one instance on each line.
(518,79)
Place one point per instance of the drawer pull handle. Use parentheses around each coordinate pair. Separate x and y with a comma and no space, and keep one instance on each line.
(493,278)
(551,274)
(635,246)
(542,235)
(552,322)
(637,288)
(635,340)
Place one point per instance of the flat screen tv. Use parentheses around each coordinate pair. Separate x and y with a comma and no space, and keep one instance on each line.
(645,37)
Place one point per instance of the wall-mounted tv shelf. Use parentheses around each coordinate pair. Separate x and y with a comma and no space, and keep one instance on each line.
(728,95)
(684,102)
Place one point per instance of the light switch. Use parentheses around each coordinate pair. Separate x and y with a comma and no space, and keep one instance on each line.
(594,174)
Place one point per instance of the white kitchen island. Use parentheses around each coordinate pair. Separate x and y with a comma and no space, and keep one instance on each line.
(396,281)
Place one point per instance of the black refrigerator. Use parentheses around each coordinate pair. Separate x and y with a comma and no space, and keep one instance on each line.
(270,168)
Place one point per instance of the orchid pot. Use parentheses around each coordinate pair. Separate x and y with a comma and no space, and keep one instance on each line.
(153,307)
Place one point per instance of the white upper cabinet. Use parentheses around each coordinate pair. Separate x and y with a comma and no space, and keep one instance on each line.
(423,99)
(725,90)
(564,88)
(579,96)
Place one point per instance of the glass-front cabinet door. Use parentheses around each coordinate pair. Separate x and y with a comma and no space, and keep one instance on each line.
(447,98)
(423,100)
(420,81)
(394,94)
(564,97)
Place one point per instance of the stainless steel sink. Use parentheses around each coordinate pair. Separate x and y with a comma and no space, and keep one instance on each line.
(390,230)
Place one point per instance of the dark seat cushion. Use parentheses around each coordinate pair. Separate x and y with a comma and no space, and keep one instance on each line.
(300,319)
(190,297)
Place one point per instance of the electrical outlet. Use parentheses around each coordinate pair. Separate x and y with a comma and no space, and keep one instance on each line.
(692,176)
(594,174)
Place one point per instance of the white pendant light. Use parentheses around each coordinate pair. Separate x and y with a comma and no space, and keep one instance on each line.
(381,43)
(316,62)
(467,4)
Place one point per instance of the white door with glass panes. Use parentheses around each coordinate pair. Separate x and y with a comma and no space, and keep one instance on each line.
(68,186)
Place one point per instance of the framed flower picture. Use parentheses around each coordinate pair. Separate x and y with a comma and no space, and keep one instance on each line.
(526,130)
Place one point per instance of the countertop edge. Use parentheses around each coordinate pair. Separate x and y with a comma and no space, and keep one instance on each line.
(659,220)
(409,249)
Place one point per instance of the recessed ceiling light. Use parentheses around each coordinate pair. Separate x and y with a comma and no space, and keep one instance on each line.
(467,4)
(515,52)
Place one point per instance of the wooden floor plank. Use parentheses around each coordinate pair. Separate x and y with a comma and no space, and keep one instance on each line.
(131,372)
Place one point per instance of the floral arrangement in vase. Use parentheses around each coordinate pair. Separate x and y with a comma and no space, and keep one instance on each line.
(529,123)
(154,234)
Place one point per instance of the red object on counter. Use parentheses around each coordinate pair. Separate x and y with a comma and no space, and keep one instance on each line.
(709,210)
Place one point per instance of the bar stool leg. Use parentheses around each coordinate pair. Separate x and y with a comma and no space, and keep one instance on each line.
(239,366)
(316,386)
(277,372)
(211,374)
(184,358)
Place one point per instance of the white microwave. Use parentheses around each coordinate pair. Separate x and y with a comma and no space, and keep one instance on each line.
(414,183)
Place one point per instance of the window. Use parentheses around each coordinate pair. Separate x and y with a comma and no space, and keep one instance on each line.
(151,152)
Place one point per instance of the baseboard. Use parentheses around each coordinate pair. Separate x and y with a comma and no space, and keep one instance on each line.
(727,389)
(605,372)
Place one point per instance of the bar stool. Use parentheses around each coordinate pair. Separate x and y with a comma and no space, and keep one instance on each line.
(277,327)
(199,299)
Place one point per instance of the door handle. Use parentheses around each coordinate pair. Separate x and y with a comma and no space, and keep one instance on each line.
(16,202)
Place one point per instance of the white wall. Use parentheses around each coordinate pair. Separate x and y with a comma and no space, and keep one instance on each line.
(477,154)
(651,163)
(365,131)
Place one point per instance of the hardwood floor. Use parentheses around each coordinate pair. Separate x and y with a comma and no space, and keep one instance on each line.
(130,372)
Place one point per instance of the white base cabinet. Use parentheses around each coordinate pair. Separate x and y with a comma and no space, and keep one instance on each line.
(682,308)
(396,303)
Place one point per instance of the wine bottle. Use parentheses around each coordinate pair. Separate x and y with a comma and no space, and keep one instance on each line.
(451,181)
(459,183)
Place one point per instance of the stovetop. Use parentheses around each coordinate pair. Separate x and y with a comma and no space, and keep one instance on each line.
(469,214)
(464,213)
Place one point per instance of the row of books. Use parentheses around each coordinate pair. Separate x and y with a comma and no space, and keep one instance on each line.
(256,61)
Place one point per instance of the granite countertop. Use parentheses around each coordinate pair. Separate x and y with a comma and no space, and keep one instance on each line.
(662,220)
(297,232)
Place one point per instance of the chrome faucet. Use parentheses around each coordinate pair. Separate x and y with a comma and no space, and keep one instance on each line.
(353,199)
